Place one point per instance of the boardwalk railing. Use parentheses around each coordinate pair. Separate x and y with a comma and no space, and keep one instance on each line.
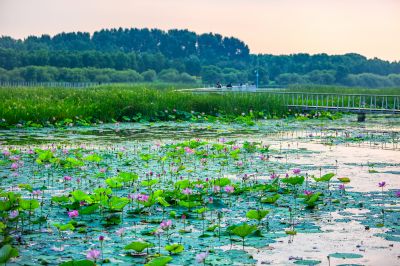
(356,103)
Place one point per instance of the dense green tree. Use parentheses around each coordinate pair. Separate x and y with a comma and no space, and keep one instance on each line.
(72,56)
(290,78)
(211,74)
(149,75)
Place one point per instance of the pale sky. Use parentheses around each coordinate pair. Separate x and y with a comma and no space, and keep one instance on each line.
(368,27)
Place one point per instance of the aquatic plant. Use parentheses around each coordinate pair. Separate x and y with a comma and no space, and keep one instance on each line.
(138,246)
(6,253)
(38,107)
(149,183)
(257,215)
(243,230)
(93,254)
(201,257)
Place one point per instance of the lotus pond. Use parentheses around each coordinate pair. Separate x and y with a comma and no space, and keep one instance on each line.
(281,192)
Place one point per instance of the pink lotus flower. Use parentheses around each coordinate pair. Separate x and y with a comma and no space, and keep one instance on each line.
(382,184)
(67,178)
(210,200)
(397,194)
(308,192)
(229,189)
(273,176)
(101,238)
(6,153)
(73,214)
(93,254)
(142,197)
(15,158)
(36,192)
(14,166)
(13,214)
(201,257)
(165,225)
(217,189)
(296,171)
(342,187)
(187,191)
(120,232)
(199,186)
(132,196)
(188,150)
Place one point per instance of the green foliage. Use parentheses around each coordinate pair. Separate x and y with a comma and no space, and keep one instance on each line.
(79,195)
(64,227)
(7,252)
(294,180)
(174,248)
(257,214)
(324,178)
(159,261)
(89,209)
(114,103)
(114,182)
(188,204)
(115,203)
(311,201)
(149,183)
(93,158)
(78,263)
(25,187)
(271,199)
(29,204)
(244,230)
(163,202)
(127,177)
(344,179)
(138,246)
(224,181)
(116,55)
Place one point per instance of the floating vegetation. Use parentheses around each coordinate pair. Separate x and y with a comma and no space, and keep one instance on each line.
(156,203)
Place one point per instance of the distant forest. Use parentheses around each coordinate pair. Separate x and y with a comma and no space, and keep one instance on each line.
(138,55)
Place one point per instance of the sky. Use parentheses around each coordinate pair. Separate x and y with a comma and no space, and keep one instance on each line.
(367,27)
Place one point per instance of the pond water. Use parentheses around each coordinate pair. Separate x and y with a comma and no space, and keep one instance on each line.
(356,224)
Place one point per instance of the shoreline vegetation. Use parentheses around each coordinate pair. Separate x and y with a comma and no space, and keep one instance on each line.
(37,107)
(59,107)
(154,55)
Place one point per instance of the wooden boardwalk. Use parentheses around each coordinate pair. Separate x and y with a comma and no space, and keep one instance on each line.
(353,103)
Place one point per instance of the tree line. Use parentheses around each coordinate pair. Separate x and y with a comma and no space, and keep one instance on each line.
(121,55)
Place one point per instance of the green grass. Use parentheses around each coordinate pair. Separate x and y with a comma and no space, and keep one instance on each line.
(342,90)
(122,103)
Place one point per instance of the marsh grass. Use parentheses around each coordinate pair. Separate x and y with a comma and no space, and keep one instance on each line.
(115,102)
(342,90)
